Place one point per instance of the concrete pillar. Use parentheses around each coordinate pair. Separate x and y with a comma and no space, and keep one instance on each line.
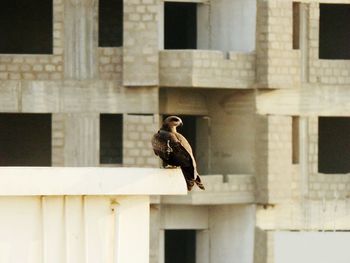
(304,156)
(80,39)
(203,246)
(232,233)
(81,139)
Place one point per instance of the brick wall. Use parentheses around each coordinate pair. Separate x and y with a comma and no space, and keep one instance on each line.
(274,159)
(321,70)
(324,186)
(137,134)
(277,63)
(203,68)
(140,45)
(110,64)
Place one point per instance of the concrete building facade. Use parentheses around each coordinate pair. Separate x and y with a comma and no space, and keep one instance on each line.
(262,86)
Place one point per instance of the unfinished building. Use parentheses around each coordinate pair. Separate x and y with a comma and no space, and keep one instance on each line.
(262,87)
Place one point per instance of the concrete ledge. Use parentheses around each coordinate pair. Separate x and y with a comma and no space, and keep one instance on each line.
(236,189)
(206,69)
(33,181)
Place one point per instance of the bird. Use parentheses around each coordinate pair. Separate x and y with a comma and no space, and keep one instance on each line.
(175,151)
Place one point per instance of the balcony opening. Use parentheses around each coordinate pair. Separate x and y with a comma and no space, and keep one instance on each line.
(180,246)
(111,139)
(296,25)
(25,139)
(334,37)
(231,25)
(180,25)
(26,27)
(110,23)
(333,145)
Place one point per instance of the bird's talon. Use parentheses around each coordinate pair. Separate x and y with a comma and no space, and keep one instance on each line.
(170,167)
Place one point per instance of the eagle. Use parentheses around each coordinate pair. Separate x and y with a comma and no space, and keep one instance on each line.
(173,148)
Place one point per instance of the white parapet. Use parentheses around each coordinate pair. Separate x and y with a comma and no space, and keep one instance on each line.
(78,215)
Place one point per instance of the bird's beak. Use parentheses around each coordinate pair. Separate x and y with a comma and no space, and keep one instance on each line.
(181,124)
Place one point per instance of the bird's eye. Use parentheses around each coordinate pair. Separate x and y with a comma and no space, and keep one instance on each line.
(174,119)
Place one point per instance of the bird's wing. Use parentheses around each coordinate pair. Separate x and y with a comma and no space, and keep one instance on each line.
(165,143)
(186,145)
(159,143)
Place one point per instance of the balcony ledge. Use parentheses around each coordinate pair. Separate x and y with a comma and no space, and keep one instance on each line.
(34,181)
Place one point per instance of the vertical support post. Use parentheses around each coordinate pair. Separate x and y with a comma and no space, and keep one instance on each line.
(203,246)
(304,156)
(161,253)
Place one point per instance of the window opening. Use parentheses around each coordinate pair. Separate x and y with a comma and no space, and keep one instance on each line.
(180,246)
(110,26)
(295,140)
(180,25)
(26,27)
(111,138)
(333,145)
(25,139)
(296,25)
(334,37)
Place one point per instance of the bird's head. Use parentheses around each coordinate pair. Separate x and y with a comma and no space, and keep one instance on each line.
(172,122)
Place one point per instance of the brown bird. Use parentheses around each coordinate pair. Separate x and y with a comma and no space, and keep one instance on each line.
(173,148)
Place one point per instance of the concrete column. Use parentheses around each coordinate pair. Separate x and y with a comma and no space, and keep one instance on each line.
(232,233)
(202,246)
(81,141)
(80,39)
(304,156)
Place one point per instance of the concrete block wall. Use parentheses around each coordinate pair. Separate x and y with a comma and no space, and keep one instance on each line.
(110,64)
(137,133)
(58,132)
(324,71)
(274,159)
(205,68)
(315,215)
(324,186)
(277,63)
(38,67)
(140,43)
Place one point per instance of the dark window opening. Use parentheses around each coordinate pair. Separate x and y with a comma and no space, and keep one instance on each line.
(25,139)
(180,246)
(296,25)
(110,25)
(334,37)
(26,27)
(295,140)
(180,25)
(111,138)
(334,145)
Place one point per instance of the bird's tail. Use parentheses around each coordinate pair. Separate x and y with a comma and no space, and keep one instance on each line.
(188,173)
(199,183)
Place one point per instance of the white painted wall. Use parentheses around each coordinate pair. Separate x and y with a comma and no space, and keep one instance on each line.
(306,247)
(233,24)
(232,233)
(79,214)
